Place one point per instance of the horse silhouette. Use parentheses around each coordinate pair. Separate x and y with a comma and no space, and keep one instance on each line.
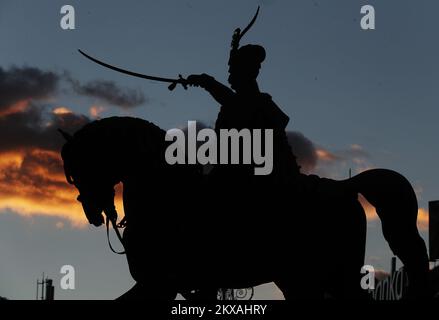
(184,234)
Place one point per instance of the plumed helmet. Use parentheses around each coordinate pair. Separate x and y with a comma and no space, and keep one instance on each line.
(247,60)
(251,55)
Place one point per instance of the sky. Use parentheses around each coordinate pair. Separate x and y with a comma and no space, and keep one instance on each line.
(356,99)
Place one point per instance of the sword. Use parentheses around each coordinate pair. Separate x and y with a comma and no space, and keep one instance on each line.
(173,82)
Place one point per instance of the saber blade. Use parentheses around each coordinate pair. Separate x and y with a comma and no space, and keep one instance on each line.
(135,74)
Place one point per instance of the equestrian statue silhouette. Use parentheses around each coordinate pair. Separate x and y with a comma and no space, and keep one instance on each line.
(304,233)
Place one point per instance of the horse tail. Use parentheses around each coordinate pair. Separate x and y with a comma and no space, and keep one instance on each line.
(396,205)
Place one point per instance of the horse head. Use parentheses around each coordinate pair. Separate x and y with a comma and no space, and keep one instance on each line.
(86,168)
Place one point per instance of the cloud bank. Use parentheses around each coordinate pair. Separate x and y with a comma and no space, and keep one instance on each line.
(31,175)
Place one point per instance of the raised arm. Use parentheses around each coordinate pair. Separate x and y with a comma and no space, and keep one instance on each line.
(221,93)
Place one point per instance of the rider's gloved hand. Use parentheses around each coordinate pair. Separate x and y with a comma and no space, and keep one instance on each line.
(199,80)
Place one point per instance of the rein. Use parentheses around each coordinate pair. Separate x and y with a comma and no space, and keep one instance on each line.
(116,227)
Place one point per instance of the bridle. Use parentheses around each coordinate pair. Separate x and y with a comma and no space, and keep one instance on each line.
(116,226)
(111,216)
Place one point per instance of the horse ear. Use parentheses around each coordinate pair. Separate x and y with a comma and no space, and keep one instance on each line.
(66,135)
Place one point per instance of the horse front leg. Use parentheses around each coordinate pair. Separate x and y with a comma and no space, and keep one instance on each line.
(205,295)
(151,268)
(150,291)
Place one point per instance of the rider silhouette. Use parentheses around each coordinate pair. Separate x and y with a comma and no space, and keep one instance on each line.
(245,106)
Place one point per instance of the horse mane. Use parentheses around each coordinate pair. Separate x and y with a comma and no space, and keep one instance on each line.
(102,137)
(114,125)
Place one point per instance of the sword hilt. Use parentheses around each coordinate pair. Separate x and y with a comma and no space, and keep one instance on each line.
(181,81)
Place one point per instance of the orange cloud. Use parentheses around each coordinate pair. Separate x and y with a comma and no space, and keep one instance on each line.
(95,111)
(423,219)
(18,106)
(31,206)
(325,155)
(61,111)
(33,183)
(368,208)
(10,160)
